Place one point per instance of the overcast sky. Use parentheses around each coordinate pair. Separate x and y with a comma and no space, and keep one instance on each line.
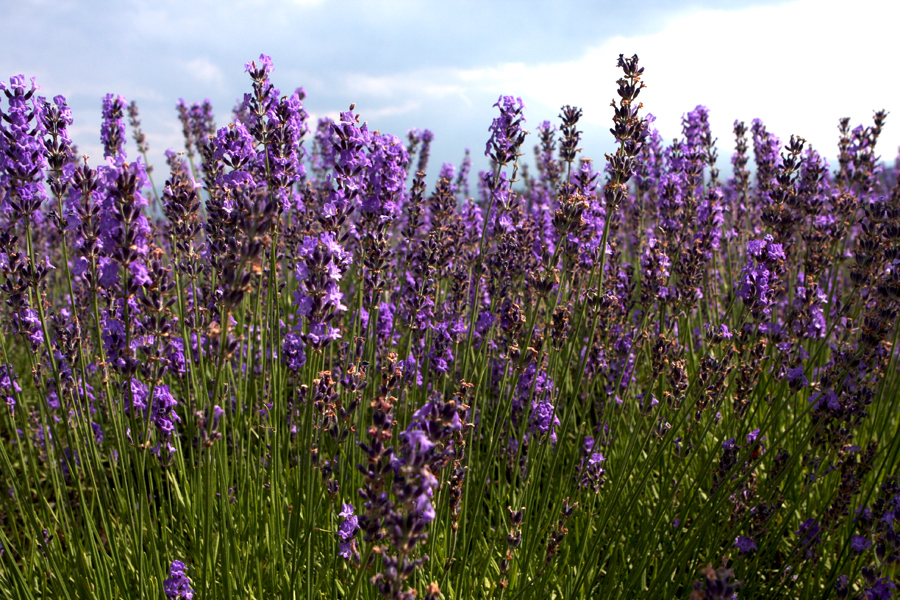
(799,65)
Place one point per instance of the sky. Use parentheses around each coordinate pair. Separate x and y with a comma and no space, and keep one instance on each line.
(799,65)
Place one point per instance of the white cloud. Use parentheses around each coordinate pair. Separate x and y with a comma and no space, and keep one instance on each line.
(314,117)
(205,71)
(799,67)
(431,83)
(392,111)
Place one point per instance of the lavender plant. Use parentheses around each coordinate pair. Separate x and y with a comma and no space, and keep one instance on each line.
(299,371)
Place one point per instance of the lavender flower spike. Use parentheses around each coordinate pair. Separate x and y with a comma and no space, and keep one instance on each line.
(347,548)
(112,131)
(178,585)
(507,135)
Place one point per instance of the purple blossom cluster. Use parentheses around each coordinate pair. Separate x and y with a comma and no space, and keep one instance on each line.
(347,547)
(112,129)
(321,264)
(9,387)
(507,134)
(178,585)
(590,470)
(759,277)
(22,150)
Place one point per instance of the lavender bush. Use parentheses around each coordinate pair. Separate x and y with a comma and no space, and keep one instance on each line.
(289,368)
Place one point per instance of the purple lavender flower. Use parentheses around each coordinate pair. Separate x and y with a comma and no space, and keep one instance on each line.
(441,354)
(164,418)
(503,201)
(124,230)
(9,386)
(293,352)
(319,299)
(98,432)
(462,178)
(386,175)
(826,398)
(447,171)
(406,522)
(234,147)
(796,378)
(426,137)
(347,533)
(809,534)
(410,369)
(695,125)
(112,131)
(262,71)
(543,419)
(860,543)
(879,588)
(744,544)
(765,150)
(655,265)
(201,122)
(384,327)
(178,585)
(718,334)
(810,304)
(758,279)
(416,449)
(324,151)
(754,436)
(281,160)
(164,403)
(437,419)
(140,394)
(842,587)
(28,323)
(754,285)
(507,135)
(727,462)
(22,149)
(547,164)
(349,141)
(591,469)
(532,378)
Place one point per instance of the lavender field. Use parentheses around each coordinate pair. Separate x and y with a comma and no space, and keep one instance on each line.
(288,365)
